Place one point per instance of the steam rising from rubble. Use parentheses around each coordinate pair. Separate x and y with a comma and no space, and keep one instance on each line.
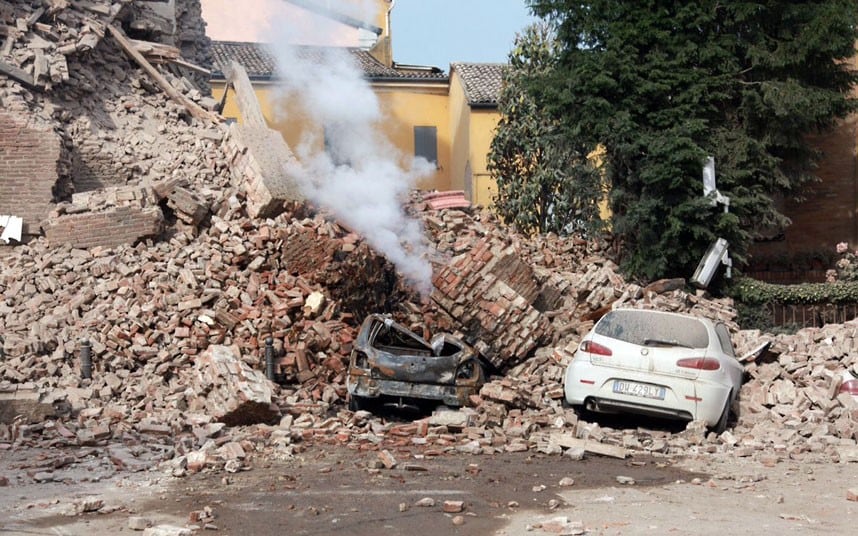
(351,169)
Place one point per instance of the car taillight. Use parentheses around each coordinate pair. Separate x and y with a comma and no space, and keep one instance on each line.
(849,387)
(595,348)
(700,363)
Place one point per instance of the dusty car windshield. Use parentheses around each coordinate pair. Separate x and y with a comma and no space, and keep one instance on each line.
(653,328)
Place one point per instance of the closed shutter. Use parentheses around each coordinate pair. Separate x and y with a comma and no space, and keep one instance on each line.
(426,143)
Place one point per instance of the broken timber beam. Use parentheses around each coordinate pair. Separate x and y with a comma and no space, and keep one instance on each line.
(193,108)
(192,66)
(18,74)
(155,51)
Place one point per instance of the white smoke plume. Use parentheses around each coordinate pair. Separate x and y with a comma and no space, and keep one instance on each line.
(357,176)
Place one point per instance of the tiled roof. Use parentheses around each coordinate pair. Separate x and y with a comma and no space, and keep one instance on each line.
(260,63)
(256,59)
(482,81)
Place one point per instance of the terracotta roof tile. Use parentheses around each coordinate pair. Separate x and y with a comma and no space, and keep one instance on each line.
(260,62)
(482,81)
(447,199)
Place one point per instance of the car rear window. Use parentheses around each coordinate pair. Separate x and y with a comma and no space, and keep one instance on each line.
(637,326)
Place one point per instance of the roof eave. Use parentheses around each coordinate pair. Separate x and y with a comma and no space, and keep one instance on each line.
(409,80)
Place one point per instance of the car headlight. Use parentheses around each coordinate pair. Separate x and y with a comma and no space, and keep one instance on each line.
(360,359)
(466,371)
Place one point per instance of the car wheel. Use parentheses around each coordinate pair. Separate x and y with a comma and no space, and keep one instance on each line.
(721,425)
(357,403)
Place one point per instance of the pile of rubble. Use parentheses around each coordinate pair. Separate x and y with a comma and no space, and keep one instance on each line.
(165,265)
(155,315)
(41,37)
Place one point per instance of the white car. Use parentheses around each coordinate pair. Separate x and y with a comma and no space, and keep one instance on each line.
(849,382)
(647,362)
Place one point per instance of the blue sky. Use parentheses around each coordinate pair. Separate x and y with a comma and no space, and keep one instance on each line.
(438,32)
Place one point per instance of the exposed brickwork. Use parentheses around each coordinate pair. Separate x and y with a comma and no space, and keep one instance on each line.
(259,158)
(828,214)
(121,225)
(192,39)
(29,160)
(482,289)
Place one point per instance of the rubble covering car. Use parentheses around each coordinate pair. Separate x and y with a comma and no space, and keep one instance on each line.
(390,364)
(655,363)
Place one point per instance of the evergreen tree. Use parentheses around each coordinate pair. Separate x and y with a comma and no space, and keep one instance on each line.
(662,84)
(545,181)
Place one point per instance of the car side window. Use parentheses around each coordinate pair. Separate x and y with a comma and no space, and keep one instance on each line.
(724,339)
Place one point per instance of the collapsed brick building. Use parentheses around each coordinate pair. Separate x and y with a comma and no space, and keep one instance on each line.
(75,118)
(166,241)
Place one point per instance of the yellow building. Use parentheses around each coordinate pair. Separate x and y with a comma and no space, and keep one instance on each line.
(473,97)
(448,119)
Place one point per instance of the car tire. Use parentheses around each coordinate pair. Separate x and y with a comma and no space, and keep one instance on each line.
(357,403)
(582,412)
(721,425)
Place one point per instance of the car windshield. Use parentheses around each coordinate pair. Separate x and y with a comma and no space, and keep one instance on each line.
(652,328)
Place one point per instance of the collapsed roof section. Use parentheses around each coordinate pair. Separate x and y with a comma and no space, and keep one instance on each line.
(39,37)
(103,100)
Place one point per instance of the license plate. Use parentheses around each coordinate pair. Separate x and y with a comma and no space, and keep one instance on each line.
(644,390)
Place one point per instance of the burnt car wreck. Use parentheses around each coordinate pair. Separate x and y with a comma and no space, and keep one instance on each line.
(392,365)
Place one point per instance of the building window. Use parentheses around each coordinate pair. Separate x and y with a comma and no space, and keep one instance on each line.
(332,148)
(426,143)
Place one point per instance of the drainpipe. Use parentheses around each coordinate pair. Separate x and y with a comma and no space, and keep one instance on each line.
(85,359)
(269,359)
(388,31)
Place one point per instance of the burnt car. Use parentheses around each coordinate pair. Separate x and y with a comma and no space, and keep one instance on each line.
(392,365)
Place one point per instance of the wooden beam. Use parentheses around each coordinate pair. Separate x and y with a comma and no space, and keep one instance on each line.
(155,50)
(35,16)
(192,66)
(193,108)
(18,74)
(226,87)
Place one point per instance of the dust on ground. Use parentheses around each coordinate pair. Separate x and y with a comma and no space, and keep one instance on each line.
(329,489)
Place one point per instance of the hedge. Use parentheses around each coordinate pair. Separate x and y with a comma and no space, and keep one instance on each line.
(754,292)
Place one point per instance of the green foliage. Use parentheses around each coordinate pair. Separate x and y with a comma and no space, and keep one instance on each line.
(545,181)
(753,292)
(661,85)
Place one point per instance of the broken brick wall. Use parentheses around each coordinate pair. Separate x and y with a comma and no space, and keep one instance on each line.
(96,94)
(195,45)
(259,158)
(490,291)
(31,164)
(123,130)
(825,216)
(110,228)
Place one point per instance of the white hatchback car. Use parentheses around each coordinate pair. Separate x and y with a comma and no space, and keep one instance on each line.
(655,363)
(849,382)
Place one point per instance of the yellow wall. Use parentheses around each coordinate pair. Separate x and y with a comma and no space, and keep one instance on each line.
(484,121)
(407,106)
(464,134)
(403,105)
(473,130)
(460,126)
